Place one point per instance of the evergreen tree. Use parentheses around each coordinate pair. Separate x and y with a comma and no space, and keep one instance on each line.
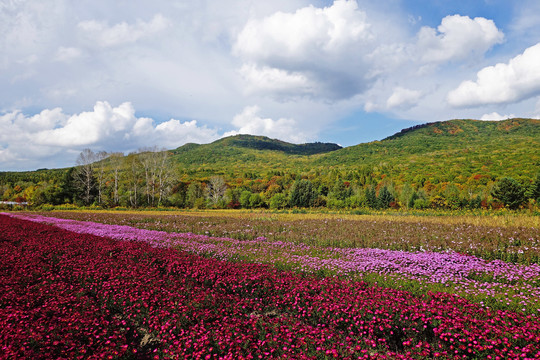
(533,191)
(302,194)
(509,192)
(256,201)
(385,198)
(371,197)
(67,190)
(340,191)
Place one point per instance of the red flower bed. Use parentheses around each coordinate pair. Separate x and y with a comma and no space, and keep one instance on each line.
(67,295)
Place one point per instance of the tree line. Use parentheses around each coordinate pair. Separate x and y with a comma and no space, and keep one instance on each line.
(150,178)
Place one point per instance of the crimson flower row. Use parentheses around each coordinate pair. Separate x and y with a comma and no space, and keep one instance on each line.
(70,295)
(508,283)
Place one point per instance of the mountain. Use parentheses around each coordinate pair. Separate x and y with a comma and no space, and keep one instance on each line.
(449,164)
(264,143)
(242,153)
(448,150)
(451,151)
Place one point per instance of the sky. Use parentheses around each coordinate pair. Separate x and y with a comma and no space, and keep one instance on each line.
(124,75)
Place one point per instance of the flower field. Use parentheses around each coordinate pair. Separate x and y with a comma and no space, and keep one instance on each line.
(79,289)
(491,283)
(508,238)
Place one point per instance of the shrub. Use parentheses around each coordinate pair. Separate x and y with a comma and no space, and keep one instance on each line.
(278,201)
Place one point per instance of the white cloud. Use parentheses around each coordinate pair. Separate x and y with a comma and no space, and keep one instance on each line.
(123,32)
(276,81)
(174,133)
(309,31)
(89,128)
(457,38)
(27,29)
(249,122)
(67,54)
(312,48)
(51,133)
(495,116)
(515,81)
(309,67)
(403,98)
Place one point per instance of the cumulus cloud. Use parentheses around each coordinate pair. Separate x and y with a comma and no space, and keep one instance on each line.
(335,52)
(515,81)
(314,51)
(52,138)
(276,81)
(495,116)
(309,67)
(403,98)
(172,133)
(309,31)
(107,36)
(457,38)
(249,122)
(53,133)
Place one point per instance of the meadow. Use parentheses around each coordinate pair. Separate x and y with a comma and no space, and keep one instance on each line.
(259,285)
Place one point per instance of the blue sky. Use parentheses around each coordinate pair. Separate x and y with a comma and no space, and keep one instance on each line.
(124,75)
(500,11)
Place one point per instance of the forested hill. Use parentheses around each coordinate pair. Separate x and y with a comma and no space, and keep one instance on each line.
(264,143)
(257,143)
(452,164)
(449,150)
(247,153)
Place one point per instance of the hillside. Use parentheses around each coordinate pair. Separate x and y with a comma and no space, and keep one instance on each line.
(242,153)
(264,143)
(450,164)
(449,150)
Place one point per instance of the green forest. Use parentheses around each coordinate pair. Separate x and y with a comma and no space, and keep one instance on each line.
(456,164)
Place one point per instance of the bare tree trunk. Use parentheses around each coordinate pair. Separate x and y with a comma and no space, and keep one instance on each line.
(133,177)
(164,175)
(100,164)
(157,174)
(147,158)
(84,175)
(217,189)
(116,163)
